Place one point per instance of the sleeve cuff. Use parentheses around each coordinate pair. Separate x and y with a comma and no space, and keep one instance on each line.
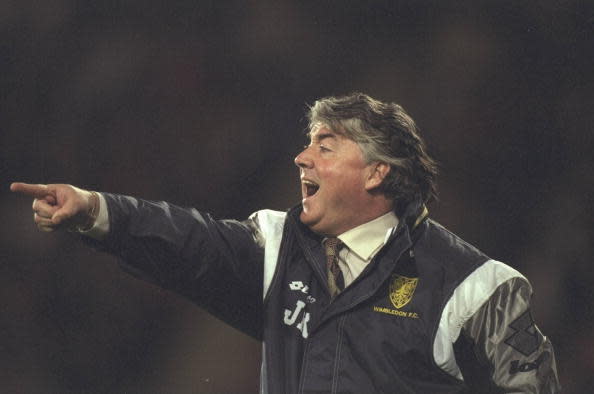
(101,226)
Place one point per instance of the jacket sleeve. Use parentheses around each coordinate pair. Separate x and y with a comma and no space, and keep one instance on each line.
(500,348)
(218,264)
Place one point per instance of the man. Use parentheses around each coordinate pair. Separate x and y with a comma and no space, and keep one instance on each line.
(354,290)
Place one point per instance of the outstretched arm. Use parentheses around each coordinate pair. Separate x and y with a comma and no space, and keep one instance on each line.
(216,263)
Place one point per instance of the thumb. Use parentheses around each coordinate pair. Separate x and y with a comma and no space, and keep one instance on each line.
(64,213)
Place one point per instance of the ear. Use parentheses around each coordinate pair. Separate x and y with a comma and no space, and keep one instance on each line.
(377,174)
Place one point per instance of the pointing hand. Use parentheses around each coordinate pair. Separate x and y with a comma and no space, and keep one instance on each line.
(58,206)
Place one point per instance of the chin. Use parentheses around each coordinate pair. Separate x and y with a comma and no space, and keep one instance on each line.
(309,220)
(314,224)
(306,218)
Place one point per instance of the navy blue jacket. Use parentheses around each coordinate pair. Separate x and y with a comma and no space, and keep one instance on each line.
(430,313)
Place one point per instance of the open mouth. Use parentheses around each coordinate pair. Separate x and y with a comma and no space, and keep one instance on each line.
(310,188)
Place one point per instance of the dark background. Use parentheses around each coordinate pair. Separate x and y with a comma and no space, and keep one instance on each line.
(201,103)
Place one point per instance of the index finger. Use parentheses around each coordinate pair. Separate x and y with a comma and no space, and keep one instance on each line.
(37,191)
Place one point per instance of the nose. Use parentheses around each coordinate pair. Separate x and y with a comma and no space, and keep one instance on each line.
(303,159)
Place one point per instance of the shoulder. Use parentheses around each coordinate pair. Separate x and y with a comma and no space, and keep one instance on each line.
(268,216)
(266,224)
(268,219)
(441,253)
(491,282)
(492,279)
(469,274)
(438,240)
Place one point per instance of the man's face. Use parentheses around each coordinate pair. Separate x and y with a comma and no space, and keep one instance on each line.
(333,182)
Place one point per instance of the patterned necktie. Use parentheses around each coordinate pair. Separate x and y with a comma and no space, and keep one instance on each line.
(335,280)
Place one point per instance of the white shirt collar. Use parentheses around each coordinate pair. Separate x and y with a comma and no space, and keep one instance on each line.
(367,238)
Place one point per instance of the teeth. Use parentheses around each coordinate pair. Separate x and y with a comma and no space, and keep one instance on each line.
(309,183)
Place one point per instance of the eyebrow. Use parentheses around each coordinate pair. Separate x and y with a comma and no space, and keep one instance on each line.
(321,136)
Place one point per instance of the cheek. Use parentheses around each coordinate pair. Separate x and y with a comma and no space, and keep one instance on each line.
(349,184)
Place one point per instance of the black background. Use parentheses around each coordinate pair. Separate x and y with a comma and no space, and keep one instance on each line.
(202,103)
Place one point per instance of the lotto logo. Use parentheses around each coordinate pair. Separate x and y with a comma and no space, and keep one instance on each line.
(516,367)
(297,285)
(526,337)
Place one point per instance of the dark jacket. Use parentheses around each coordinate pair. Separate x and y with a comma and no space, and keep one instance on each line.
(430,313)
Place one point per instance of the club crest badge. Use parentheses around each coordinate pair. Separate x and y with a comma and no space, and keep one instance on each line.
(402,290)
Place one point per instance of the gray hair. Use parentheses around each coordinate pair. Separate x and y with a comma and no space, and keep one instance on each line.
(385,133)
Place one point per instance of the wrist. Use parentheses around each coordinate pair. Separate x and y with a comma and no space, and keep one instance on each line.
(91,214)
